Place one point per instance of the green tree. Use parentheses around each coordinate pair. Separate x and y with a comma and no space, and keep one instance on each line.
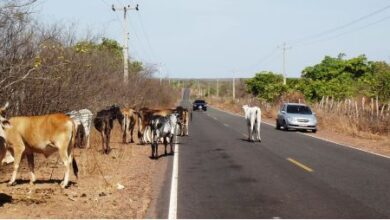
(266,85)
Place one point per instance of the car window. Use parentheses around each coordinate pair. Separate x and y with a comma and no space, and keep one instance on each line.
(299,109)
(199,101)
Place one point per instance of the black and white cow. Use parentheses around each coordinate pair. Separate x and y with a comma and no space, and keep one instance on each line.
(163,127)
(83,122)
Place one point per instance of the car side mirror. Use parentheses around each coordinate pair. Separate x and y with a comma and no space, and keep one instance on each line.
(283,112)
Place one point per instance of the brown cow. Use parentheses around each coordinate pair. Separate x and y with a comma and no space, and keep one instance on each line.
(183,118)
(128,123)
(39,134)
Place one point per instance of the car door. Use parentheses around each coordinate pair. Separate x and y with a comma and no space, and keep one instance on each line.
(281,114)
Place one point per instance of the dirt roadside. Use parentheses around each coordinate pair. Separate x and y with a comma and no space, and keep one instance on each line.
(95,194)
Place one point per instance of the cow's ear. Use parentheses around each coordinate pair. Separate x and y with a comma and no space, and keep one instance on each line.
(6,124)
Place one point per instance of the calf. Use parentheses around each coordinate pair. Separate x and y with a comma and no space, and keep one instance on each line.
(163,127)
(104,122)
(38,134)
(253,119)
(83,121)
(128,123)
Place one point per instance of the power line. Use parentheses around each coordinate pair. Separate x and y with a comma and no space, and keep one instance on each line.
(347,32)
(329,31)
(263,59)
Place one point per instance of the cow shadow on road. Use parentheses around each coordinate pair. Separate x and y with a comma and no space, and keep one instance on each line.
(4,198)
(246,140)
(161,155)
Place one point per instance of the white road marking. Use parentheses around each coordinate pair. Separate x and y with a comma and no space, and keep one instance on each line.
(319,138)
(172,214)
(226,125)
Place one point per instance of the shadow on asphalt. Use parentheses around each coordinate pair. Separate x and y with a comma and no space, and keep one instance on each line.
(160,156)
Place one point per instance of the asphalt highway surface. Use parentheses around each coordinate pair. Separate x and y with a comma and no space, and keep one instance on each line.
(287,175)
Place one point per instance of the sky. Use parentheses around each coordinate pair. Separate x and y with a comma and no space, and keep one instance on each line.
(232,38)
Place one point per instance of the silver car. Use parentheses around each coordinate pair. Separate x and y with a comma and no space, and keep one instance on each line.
(296,116)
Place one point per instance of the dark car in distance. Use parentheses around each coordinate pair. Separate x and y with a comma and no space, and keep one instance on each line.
(199,104)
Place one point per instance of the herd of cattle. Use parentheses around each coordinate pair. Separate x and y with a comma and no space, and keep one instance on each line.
(26,135)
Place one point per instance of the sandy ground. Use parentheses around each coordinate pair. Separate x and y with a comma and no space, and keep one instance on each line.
(95,193)
(376,144)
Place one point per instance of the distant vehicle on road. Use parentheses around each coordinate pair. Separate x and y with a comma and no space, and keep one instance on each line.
(199,104)
(296,116)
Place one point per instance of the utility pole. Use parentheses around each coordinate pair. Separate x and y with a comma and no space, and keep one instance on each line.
(217,87)
(208,89)
(234,89)
(126,40)
(284,48)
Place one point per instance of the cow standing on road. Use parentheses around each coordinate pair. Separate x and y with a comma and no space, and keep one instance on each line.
(253,119)
(38,134)
(104,122)
(163,127)
(183,117)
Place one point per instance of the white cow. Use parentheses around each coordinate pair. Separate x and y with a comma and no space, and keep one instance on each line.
(253,119)
(83,122)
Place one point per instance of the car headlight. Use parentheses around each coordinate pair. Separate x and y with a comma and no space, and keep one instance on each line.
(289,118)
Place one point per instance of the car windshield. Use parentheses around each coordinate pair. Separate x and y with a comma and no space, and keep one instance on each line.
(199,101)
(299,109)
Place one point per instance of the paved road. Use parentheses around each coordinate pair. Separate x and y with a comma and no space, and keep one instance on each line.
(223,176)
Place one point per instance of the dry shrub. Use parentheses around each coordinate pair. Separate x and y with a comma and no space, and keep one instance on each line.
(44,70)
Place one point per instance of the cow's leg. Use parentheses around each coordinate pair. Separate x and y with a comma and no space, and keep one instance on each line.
(149,134)
(103,141)
(186,128)
(258,130)
(253,121)
(156,150)
(249,130)
(18,153)
(131,135)
(87,145)
(30,160)
(132,132)
(152,150)
(124,136)
(108,149)
(66,160)
(171,143)
(165,140)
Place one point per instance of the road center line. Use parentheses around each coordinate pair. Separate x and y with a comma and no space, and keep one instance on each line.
(172,214)
(308,169)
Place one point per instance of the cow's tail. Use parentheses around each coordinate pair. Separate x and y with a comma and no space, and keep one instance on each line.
(70,150)
(75,168)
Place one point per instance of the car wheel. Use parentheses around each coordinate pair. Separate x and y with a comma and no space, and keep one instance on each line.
(277,125)
(314,130)
(285,127)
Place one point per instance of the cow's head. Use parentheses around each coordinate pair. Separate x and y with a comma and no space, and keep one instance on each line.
(116,113)
(4,124)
